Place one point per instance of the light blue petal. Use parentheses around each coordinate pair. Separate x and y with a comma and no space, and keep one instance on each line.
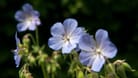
(86,58)
(68,47)
(20,16)
(70,25)
(17,59)
(87,43)
(27,7)
(57,29)
(17,39)
(32,27)
(36,13)
(98,63)
(107,47)
(55,43)
(109,50)
(75,36)
(21,27)
(37,21)
(101,36)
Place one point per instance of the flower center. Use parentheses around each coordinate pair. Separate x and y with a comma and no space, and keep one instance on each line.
(29,21)
(66,38)
(98,51)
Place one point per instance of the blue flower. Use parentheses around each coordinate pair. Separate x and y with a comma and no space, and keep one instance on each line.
(65,36)
(17,57)
(95,52)
(28,18)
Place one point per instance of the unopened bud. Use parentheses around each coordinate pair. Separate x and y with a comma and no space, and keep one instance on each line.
(48,68)
(31,59)
(80,74)
(127,67)
(26,40)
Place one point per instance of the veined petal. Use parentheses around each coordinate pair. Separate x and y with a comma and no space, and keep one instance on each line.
(35,13)
(78,31)
(87,42)
(55,43)
(70,25)
(17,59)
(86,58)
(106,46)
(98,63)
(21,27)
(101,35)
(109,50)
(57,29)
(20,16)
(75,36)
(68,47)
(27,7)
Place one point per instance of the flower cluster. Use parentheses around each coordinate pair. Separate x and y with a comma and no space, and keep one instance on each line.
(94,51)
(67,36)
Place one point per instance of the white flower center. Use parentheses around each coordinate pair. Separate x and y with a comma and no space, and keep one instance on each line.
(98,51)
(29,18)
(29,21)
(66,38)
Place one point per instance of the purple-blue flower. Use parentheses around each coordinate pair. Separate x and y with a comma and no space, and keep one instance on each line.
(28,18)
(94,52)
(17,57)
(65,36)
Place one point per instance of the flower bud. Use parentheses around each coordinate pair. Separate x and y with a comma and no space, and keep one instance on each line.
(26,40)
(42,58)
(80,74)
(127,67)
(110,68)
(56,55)
(35,48)
(121,71)
(48,68)
(31,59)
(110,71)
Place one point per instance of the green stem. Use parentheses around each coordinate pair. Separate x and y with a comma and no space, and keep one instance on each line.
(70,56)
(53,75)
(37,38)
(86,73)
(32,38)
(43,70)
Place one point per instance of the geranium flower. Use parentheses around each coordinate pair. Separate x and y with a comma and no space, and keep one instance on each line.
(17,57)
(95,52)
(28,18)
(65,36)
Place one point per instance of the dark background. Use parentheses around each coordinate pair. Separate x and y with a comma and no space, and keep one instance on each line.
(118,17)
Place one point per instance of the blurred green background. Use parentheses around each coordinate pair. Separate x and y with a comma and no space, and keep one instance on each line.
(119,17)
